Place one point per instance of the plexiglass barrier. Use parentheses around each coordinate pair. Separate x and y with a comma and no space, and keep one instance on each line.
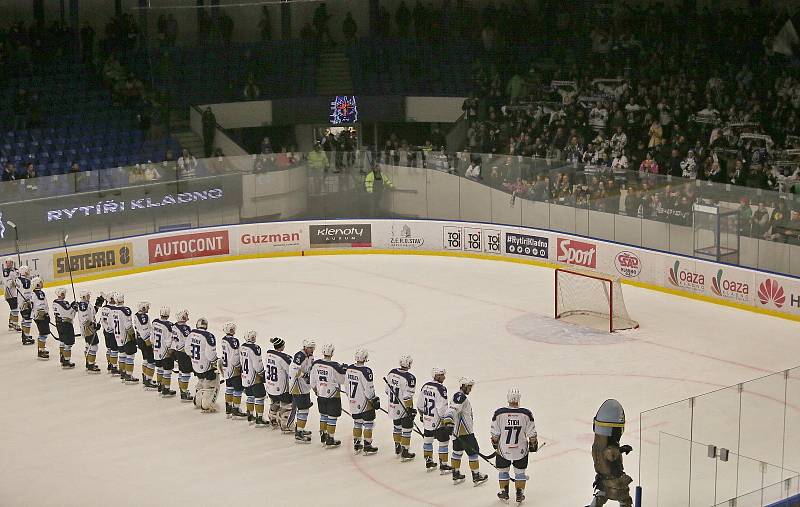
(742,441)
(627,207)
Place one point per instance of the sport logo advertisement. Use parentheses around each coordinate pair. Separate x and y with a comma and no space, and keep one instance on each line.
(532,246)
(686,279)
(727,288)
(770,291)
(340,236)
(93,260)
(406,239)
(628,264)
(272,239)
(471,239)
(575,252)
(188,246)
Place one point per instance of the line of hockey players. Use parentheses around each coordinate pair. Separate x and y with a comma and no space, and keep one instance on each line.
(289,380)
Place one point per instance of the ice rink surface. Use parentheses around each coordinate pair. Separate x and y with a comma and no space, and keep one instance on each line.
(73,439)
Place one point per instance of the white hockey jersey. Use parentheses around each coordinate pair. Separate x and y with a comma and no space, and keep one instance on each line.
(231,360)
(106,321)
(39,303)
(202,350)
(432,404)
(182,331)
(327,378)
(121,322)
(460,412)
(143,326)
(63,310)
(10,282)
(400,387)
(86,314)
(252,365)
(512,428)
(360,388)
(277,372)
(299,373)
(163,331)
(24,290)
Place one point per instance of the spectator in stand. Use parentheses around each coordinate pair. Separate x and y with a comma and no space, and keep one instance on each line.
(689,166)
(187,164)
(745,217)
(265,24)
(760,221)
(30,171)
(473,172)
(656,135)
(209,129)
(349,29)
(320,21)
(620,162)
(674,164)
(9,172)
(251,89)
(219,164)
(777,221)
(648,165)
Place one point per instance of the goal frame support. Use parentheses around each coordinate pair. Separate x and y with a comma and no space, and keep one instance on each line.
(587,275)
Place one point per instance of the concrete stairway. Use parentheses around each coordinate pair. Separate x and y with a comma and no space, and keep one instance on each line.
(333,73)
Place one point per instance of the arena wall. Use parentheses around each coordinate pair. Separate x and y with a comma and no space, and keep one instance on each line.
(741,288)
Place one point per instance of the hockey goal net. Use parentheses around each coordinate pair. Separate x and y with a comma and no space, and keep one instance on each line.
(591,299)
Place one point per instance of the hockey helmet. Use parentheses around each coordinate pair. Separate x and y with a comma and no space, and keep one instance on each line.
(513,396)
(436,371)
(327,350)
(250,337)
(309,344)
(24,271)
(37,282)
(8,262)
(182,315)
(361,356)
(164,312)
(466,381)
(405,361)
(61,293)
(229,328)
(202,323)
(86,296)
(610,416)
(119,298)
(143,306)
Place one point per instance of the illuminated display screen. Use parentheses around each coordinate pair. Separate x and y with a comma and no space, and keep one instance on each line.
(344,109)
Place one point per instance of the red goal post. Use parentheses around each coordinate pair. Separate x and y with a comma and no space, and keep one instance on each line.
(591,299)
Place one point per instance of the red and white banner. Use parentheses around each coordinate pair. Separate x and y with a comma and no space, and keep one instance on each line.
(188,246)
(578,253)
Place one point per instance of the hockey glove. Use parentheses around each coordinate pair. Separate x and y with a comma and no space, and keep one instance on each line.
(97,326)
(494,444)
(625,449)
(376,403)
(74,305)
(411,412)
(533,446)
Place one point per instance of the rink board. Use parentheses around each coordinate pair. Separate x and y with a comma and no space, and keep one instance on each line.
(733,286)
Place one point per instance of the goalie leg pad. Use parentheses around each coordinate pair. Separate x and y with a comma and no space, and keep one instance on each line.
(207,391)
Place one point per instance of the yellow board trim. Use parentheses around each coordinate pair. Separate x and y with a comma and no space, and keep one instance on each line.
(356,251)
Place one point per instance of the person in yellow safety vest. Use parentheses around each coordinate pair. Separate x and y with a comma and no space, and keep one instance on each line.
(317,159)
(375,181)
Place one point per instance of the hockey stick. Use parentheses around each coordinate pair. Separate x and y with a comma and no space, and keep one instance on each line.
(408,413)
(69,266)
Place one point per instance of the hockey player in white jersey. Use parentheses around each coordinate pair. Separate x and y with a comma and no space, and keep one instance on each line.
(10,291)
(182,331)
(432,404)
(25,300)
(461,425)
(253,379)
(144,340)
(64,315)
(400,387)
(163,331)
(363,402)
(203,352)
(277,366)
(301,389)
(122,323)
(41,316)
(327,377)
(513,438)
(232,371)
(88,327)
(107,324)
